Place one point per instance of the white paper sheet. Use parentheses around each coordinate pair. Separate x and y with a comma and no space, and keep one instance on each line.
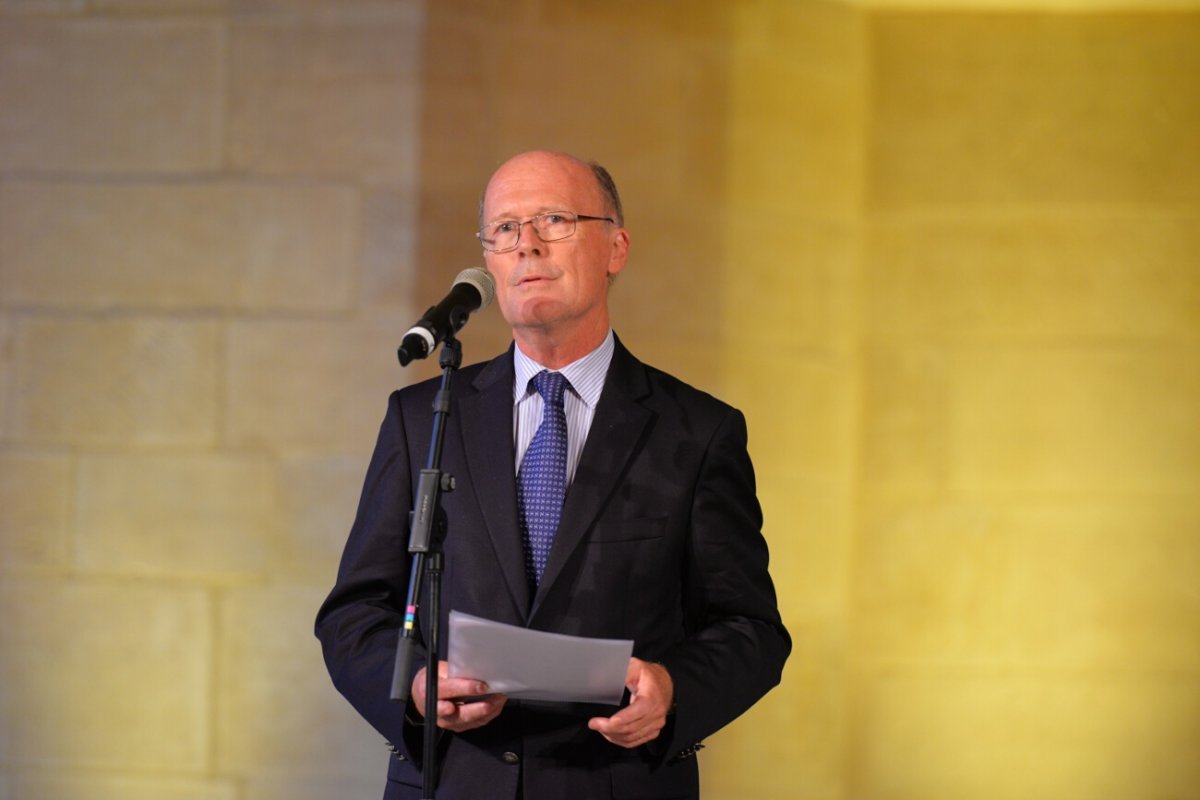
(535,665)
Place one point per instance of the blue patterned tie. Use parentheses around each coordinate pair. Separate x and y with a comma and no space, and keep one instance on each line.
(542,478)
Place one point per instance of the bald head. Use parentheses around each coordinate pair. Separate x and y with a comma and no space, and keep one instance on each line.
(571,168)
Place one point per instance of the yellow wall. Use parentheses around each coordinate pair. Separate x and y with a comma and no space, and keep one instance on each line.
(948,262)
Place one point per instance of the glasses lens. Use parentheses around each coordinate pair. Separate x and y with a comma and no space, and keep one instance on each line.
(500,236)
(554,225)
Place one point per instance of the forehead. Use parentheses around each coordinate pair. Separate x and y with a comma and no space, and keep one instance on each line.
(532,184)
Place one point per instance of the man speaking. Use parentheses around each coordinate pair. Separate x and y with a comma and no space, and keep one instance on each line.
(597,497)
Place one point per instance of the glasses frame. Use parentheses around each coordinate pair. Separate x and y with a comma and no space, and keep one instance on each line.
(529,220)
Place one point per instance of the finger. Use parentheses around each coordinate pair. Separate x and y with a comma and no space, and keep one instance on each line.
(450,688)
(460,717)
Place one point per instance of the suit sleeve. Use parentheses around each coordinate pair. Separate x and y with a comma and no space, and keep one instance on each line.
(736,643)
(358,624)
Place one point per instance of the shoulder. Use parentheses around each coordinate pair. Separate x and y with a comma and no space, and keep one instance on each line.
(669,396)
(465,380)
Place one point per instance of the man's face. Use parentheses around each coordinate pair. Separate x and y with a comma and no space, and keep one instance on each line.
(555,287)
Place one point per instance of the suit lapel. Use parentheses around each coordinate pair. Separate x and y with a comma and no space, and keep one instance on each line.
(611,443)
(487,424)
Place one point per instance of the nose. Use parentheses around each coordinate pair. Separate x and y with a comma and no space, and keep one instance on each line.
(528,242)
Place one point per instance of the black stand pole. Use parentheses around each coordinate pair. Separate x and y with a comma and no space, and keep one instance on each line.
(427,530)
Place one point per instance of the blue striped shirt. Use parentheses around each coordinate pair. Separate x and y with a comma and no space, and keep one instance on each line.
(586,376)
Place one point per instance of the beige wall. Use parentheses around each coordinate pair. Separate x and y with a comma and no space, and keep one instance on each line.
(947,262)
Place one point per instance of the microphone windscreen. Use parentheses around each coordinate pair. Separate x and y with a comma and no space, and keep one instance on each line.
(481,279)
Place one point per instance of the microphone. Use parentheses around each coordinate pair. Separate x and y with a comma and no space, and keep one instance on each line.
(472,290)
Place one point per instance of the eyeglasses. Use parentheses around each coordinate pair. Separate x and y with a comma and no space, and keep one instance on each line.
(550,226)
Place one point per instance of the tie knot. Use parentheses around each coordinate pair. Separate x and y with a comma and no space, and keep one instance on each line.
(550,386)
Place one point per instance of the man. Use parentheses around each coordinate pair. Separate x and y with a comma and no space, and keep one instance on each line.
(658,539)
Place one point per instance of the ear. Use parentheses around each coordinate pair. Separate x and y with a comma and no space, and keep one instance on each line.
(619,253)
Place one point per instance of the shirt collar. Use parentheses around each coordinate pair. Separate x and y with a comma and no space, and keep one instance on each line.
(586,375)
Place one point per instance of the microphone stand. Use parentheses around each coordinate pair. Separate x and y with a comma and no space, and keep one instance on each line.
(427,531)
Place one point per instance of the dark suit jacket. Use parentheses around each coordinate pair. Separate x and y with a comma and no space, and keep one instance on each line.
(659,542)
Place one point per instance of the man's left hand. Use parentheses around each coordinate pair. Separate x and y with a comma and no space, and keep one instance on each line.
(651,693)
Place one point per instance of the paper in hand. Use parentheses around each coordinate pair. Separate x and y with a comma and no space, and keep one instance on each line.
(535,665)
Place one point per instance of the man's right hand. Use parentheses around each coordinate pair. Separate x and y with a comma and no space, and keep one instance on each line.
(454,711)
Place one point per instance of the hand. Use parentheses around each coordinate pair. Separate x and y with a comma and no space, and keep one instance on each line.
(454,713)
(651,694)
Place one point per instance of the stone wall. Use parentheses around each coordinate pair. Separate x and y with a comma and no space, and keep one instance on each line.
(947,262)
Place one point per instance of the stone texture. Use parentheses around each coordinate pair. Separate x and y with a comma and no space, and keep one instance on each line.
(269,659)
(212,517)
(905,440)
(100,674)
(1101,586)
(8,369)
(125,380)
(1093,108)
(207,245)
(1123,420)
(42,7)
(110,95)
(797,93)
(159,6)
(809,530)
(36,509)
(1034,277)
(54,787)
(389,249)
(800,424)
(803,302)
(304,386)
(318,495)
(329,93)
(1018,735)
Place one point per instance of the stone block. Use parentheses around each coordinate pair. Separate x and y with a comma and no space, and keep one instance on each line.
(8,369)
(43,8)
(1033,108)
(36,509)
(108,380)
(669,261)
(181,246)
(1033,277)
(808,530)
(268,659)
(904,438)
(802,723)
(319,495)
(212,517)
(118,787)
(1000,735)
(797,109)
(799,413)
(1065,586)
(334,92)
(389,250)
(305,386)
(97,95)
(160,6)
(100,674)
(1123,420)
(791,744)
(801,302)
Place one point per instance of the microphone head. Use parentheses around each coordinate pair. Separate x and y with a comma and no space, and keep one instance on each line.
(482,281)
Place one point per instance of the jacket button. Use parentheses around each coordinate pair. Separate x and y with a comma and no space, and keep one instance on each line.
(511,758)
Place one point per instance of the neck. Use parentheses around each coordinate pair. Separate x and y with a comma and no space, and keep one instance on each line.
(556,350)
